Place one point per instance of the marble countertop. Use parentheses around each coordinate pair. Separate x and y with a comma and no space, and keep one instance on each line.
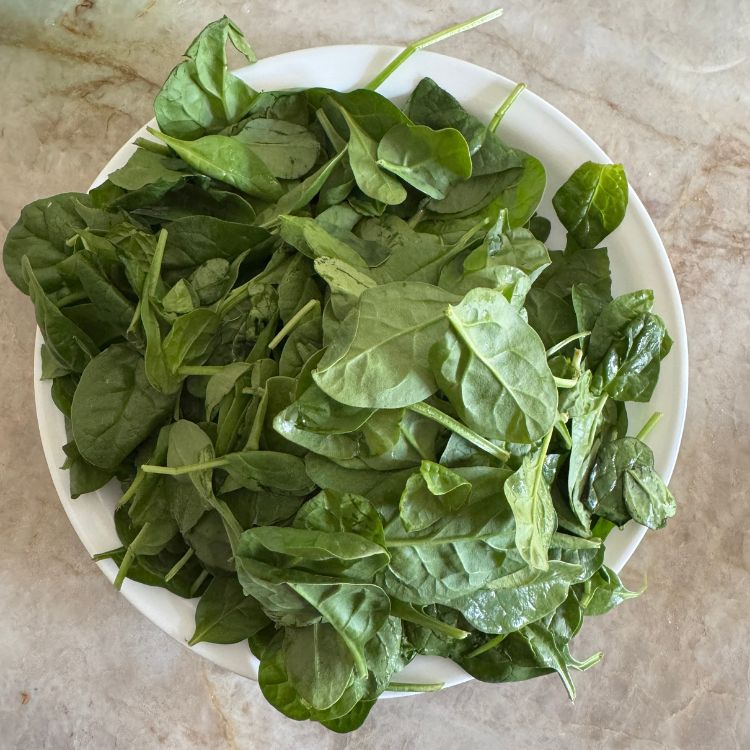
(663,88)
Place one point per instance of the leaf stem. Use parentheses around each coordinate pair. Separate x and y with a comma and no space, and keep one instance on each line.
(650,424)
(488,646)
(460,429)
(235,296)
(198,582)
(504,107)
(154,271)
(565,382)
(176,471)
(540,468)
(108,555)
(562,429)
(415,687)
(253,390)
(69,299)
(153,146)
(426,41)
(582,666)
(178,566)
(130,491)
(292,323)
(130,553)
(416,218)
(206,370)
(410,613)
(562,344)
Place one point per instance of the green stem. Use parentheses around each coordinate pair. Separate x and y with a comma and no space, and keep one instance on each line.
(650,424)
(488,646)
(565,382)
(505,106)
(253,390)
(577,358)
(415,687)
(108,555)
(410,613)
(460,429)
(176,471)
(540,467)
(582,666)
(562,429)
(426,41)
(70,299)
(130,491)
(154,271)
(153,146)
(178,566)
(134,320)
(602,528)
(292,323)
(416,218)
(253,439)
(562,344)
(331,133)
(198,582)
(236,295)
(130,553)
(206,370)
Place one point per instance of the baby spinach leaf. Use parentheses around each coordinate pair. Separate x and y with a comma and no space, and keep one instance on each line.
(319,664)
(84,476)
(228,159)
(115,408)
(225,615)
(592,203)
(490,349)
(604,591)
(356,611)
(431,105)
(431,493)
(529,496)
(68,343)
(613,319)
(457,554)
(146,168)
(363,156)
(429,160)
(383,363)
(269,469)
(288,150)
(40,235)
(630,368)
(624,485)
(201,95)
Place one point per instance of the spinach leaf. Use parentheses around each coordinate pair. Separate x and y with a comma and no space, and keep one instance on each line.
(225,615)
(115,408)
(201,95)
(40,235)
(529,496)
(228,159)
(380,357)
(592,203)
(289,151)
(490,355)
(429,160)
(67,342)
(624,485)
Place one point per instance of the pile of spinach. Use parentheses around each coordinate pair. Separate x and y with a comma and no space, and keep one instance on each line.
(354,402)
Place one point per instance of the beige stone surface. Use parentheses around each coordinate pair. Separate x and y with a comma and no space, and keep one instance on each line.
(662,86)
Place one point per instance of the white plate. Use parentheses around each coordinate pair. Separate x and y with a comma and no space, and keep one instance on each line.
(637,256)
